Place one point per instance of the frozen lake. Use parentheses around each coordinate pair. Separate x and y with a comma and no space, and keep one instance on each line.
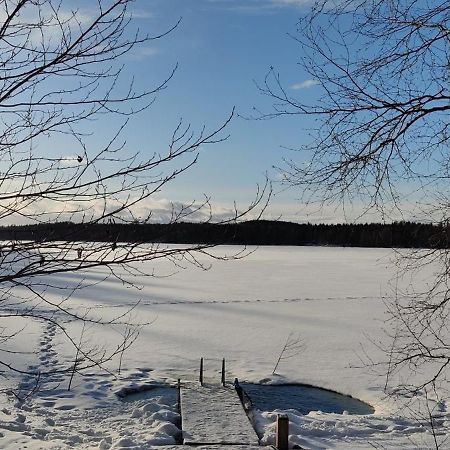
(331,298)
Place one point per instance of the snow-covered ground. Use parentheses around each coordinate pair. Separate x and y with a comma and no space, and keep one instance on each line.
(330,298)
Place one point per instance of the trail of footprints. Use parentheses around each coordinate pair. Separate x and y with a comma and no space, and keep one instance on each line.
(48,356)
(233,301)
(40,374)
(90,414)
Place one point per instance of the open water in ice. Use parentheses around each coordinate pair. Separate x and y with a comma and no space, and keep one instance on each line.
(303,398)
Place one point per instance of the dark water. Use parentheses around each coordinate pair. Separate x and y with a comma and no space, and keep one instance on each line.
(170,394)
(303,398)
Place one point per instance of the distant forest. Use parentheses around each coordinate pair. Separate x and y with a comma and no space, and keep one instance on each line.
(261,232)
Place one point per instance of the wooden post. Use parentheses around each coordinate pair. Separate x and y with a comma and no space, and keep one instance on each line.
(180,437)
(223,372)
(179,395)
(201,372)
(239,391)
(282,439)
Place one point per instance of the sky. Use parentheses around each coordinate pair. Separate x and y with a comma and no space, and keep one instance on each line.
(223,49)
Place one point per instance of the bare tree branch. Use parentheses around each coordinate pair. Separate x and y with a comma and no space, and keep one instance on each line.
(61,69)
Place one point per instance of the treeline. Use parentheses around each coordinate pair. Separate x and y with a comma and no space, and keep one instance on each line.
(262,232)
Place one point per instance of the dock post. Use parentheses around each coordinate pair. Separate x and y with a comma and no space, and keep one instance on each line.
(201,372)
(180,437)
(239,391)
(223,372)
(282,439)
(179,395)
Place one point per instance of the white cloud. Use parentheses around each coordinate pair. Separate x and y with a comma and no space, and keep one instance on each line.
(305,84)
(296,3)
(260,6)
(32,15)
(142,14)
(162,210)
(159,210)
(141,53)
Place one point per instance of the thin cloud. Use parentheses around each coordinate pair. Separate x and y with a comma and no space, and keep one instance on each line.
(305,84)
(295,3)
(142,53)
(259,6)
(157,210)
(142,14)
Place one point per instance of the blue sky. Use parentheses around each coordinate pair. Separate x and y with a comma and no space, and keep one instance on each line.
(222,47)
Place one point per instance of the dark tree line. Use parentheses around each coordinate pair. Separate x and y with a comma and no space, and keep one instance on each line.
(262,232)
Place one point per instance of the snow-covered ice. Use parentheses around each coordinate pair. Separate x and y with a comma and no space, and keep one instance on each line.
(332,298)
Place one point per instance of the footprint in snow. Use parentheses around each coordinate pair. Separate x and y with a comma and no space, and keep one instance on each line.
(65,407)
(48,404)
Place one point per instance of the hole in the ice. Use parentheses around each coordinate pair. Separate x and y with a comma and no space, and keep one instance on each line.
(303,398)
(148,391)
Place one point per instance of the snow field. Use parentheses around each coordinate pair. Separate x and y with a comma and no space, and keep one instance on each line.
(242,311)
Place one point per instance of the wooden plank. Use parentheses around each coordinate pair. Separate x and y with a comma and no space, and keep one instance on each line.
(216,447)
(213,414)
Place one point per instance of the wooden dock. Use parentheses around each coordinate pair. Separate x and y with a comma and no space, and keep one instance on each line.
(213,415)
(216,447)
